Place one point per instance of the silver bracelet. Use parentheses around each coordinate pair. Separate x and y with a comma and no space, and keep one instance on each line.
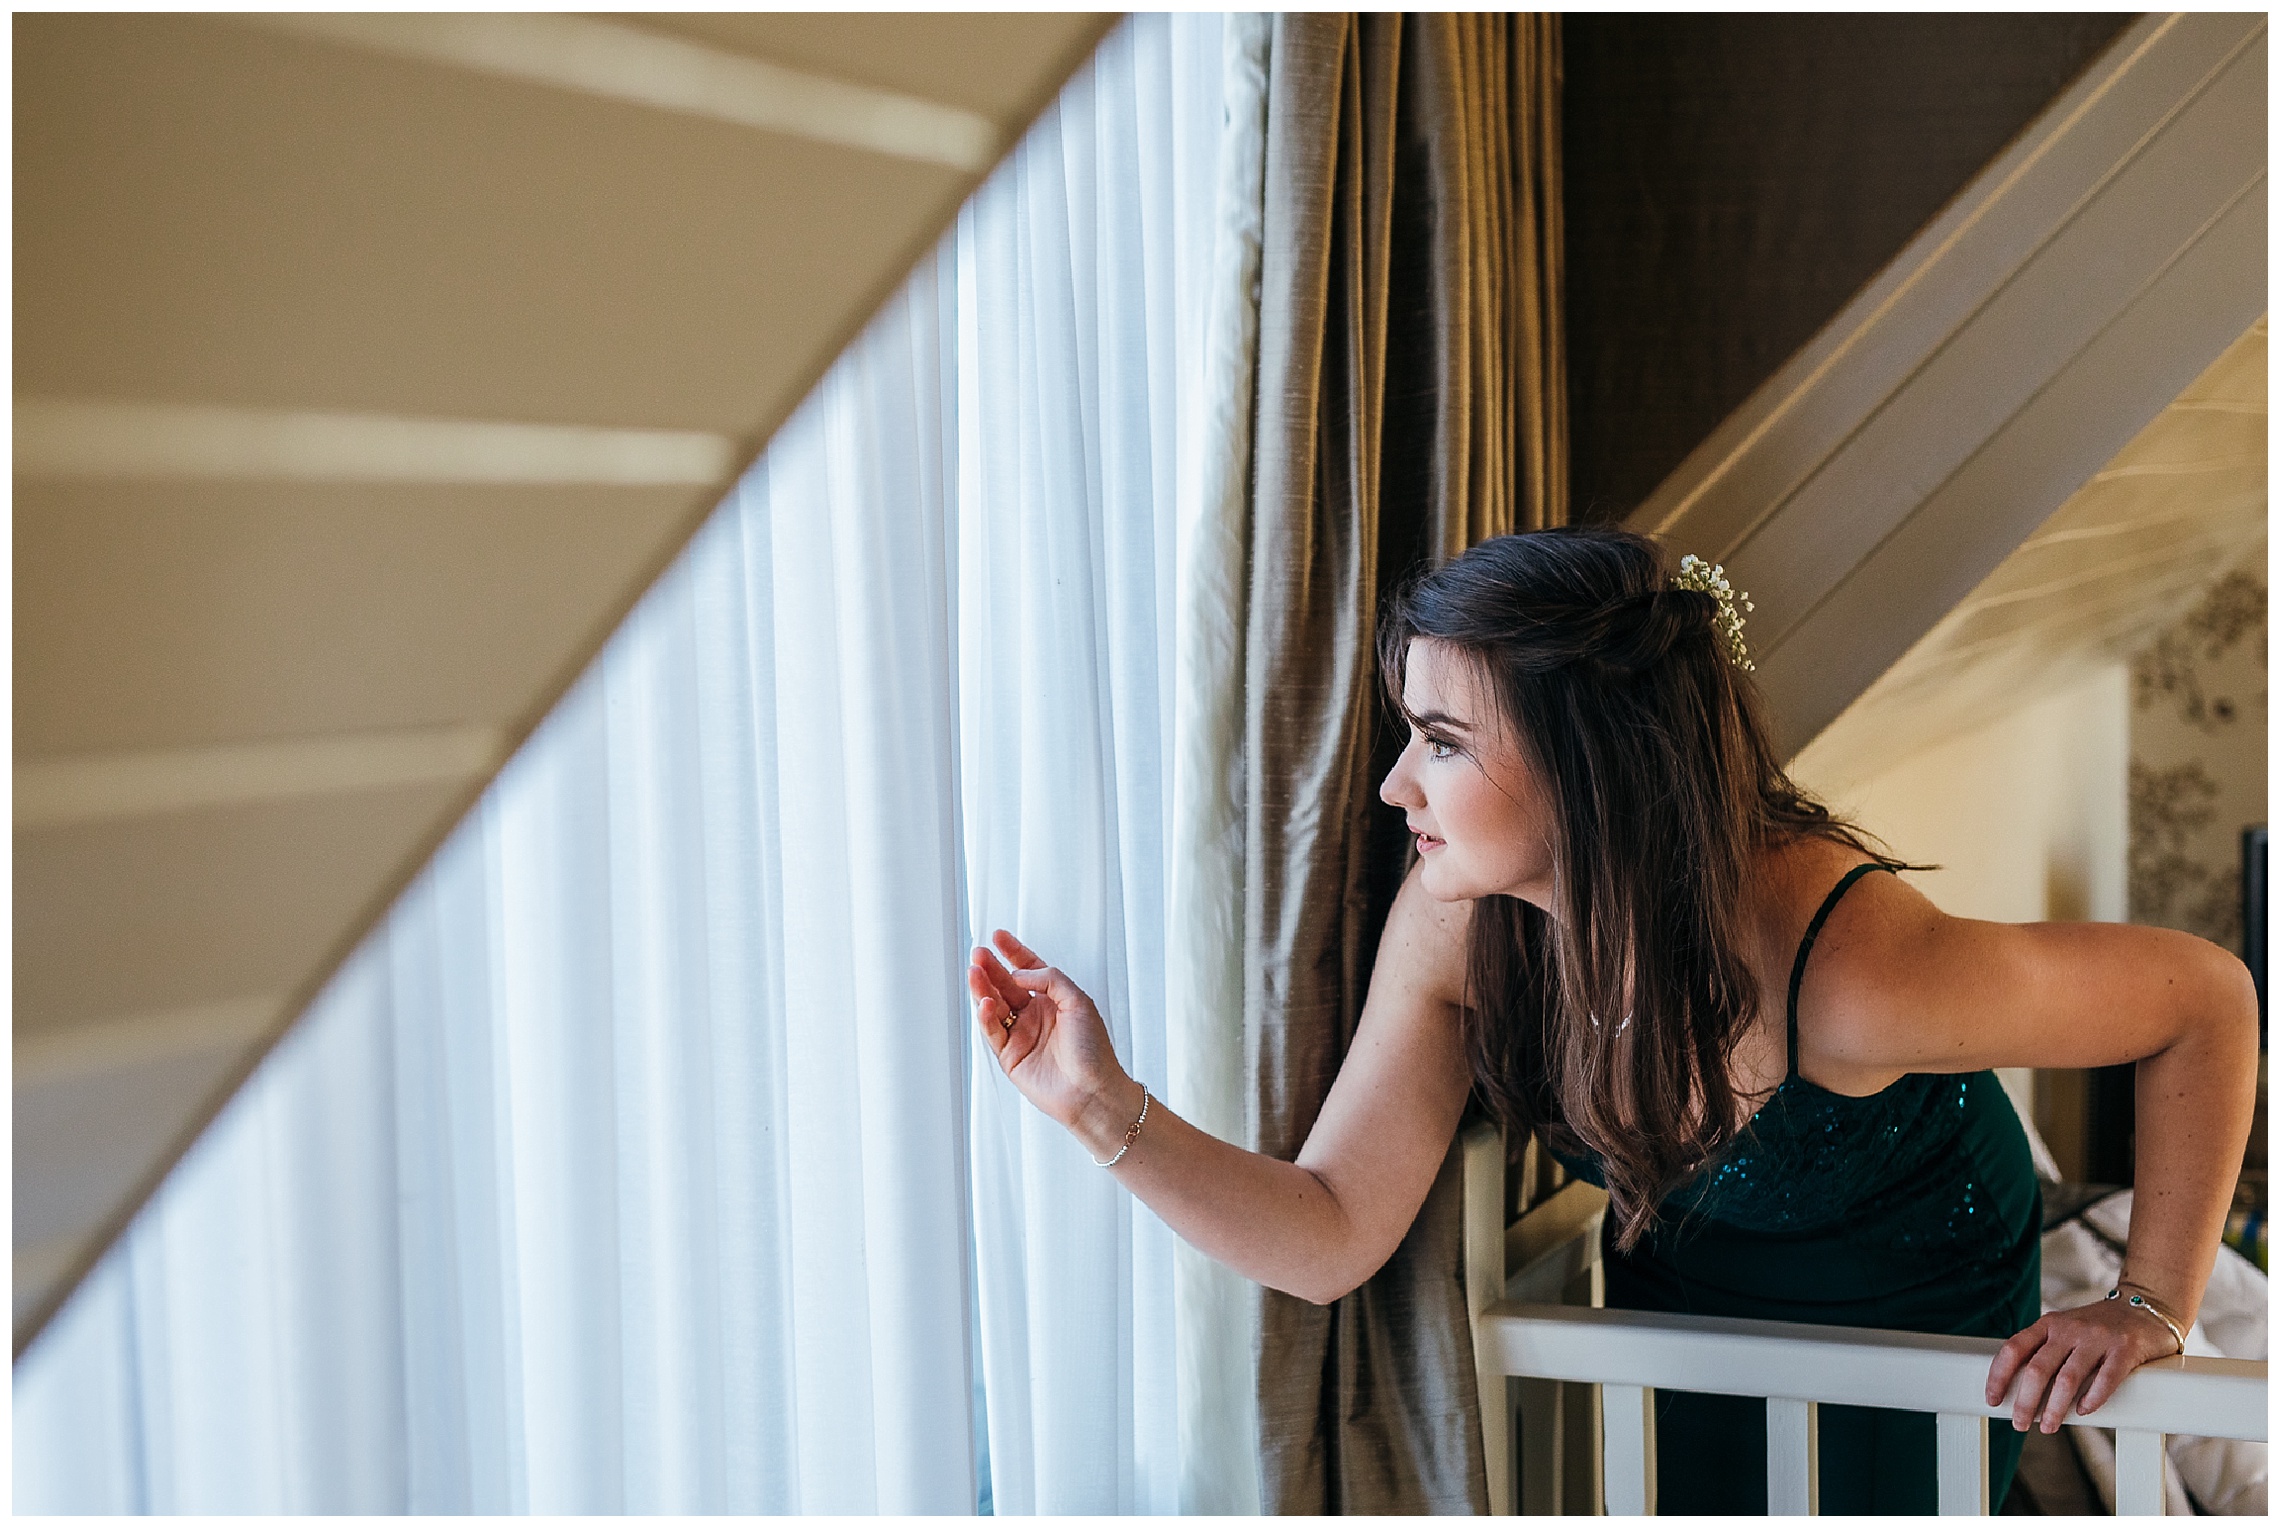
(2140,1302)
(1130,1135)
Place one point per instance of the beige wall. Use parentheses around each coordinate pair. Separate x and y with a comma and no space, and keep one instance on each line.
(2028,818)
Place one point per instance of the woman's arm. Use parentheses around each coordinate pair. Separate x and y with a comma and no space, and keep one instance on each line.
(1915,990)
(1316,1227)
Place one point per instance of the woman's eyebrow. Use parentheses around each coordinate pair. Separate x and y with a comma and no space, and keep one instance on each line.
(1440,719)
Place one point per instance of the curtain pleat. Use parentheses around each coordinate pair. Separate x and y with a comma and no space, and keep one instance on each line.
(1101,351)
(1535,332)
(1204,982)
(1409,405)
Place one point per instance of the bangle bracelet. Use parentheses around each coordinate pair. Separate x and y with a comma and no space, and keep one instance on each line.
(2140,1302)
(1130,1135)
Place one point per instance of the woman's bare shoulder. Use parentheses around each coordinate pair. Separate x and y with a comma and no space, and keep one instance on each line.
(1896,983)
(1879,926)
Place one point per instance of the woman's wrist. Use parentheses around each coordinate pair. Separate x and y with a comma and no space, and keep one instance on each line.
(2150,1301)
(1105,1118)
(2157,1292)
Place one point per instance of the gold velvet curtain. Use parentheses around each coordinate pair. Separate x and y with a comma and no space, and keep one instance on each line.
(1411,401)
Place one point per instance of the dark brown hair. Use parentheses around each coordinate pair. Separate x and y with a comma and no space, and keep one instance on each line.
(1611,1027)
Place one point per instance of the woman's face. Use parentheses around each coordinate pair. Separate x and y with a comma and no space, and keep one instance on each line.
(1470,795)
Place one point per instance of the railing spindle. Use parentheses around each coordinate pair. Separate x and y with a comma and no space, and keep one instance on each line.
(1542,1446)
(1627,1443)
(2137,1474)
(1484,1286)
(1963,1465)
(1792,1458)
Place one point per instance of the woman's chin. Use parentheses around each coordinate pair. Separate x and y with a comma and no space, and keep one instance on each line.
(1434,876)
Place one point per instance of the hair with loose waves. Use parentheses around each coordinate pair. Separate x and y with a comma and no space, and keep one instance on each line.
(1612,1025)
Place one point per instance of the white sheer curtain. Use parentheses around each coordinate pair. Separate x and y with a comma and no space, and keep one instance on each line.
(640,1162)
(1105,398)
(620,1170)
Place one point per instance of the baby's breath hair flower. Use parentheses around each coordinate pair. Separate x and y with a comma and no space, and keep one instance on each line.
(1706,578)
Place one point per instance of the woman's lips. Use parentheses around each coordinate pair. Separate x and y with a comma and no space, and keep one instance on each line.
(1426,843)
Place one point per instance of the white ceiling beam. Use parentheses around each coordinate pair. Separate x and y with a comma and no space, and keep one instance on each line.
(67,438)
(74,789)
(626,63)
(46,1057)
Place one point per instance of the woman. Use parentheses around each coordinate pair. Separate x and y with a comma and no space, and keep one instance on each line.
(1629,931)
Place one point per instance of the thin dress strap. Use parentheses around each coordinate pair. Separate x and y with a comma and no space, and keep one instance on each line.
(1813,932)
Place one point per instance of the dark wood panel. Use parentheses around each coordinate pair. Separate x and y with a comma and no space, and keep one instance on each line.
(1731,180)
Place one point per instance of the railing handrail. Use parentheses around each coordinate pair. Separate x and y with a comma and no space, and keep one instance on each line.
(1907,1371)
(1797,1368)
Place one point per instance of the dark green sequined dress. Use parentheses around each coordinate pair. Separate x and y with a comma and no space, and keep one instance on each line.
(1914,1208)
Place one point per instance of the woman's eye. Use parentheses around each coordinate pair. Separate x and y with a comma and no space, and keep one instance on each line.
(1439,749)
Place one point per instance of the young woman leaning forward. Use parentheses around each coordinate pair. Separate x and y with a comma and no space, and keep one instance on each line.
(1630,932)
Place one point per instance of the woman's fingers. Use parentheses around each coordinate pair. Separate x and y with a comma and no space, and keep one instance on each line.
(2033,1383)
(990,1012)
(1001,980)
(2008,1358)
(1018,953)
(2066,1385)
(1000,1022)
(1005,996)
(2102,1385)
(2069,1359)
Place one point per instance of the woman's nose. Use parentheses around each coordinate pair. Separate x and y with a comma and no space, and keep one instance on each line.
(1395,789)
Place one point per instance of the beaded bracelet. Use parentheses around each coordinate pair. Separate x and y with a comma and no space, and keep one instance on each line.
(2140,1302)
(1130,1135)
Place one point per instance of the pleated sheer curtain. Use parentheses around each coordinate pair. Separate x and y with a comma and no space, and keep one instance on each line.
(1106,303)
(643,1160)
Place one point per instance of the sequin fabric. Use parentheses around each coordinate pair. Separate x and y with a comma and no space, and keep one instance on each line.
(1895,1168)
(1894,1165)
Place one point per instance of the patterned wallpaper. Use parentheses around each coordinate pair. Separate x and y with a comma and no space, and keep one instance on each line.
(2197,758)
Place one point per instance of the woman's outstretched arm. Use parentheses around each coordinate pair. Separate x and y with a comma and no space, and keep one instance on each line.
(1911,989)
(1315,1227)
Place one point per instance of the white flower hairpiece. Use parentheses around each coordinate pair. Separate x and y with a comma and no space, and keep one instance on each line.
(1706,578)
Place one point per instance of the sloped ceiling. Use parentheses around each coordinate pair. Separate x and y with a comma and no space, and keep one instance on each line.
(2108,257)
(2117,563)
(367,368)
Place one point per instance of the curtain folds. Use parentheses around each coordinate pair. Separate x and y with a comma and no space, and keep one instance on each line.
(1085,265)
(620,1169)
(1411,402)
(1204,982)
(645,1159)
(1108,329)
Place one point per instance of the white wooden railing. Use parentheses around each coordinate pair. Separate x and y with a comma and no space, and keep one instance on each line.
(1516,1276)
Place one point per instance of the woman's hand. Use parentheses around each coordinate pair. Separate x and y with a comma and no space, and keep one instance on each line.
(2074,1357)
(1050,1040)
